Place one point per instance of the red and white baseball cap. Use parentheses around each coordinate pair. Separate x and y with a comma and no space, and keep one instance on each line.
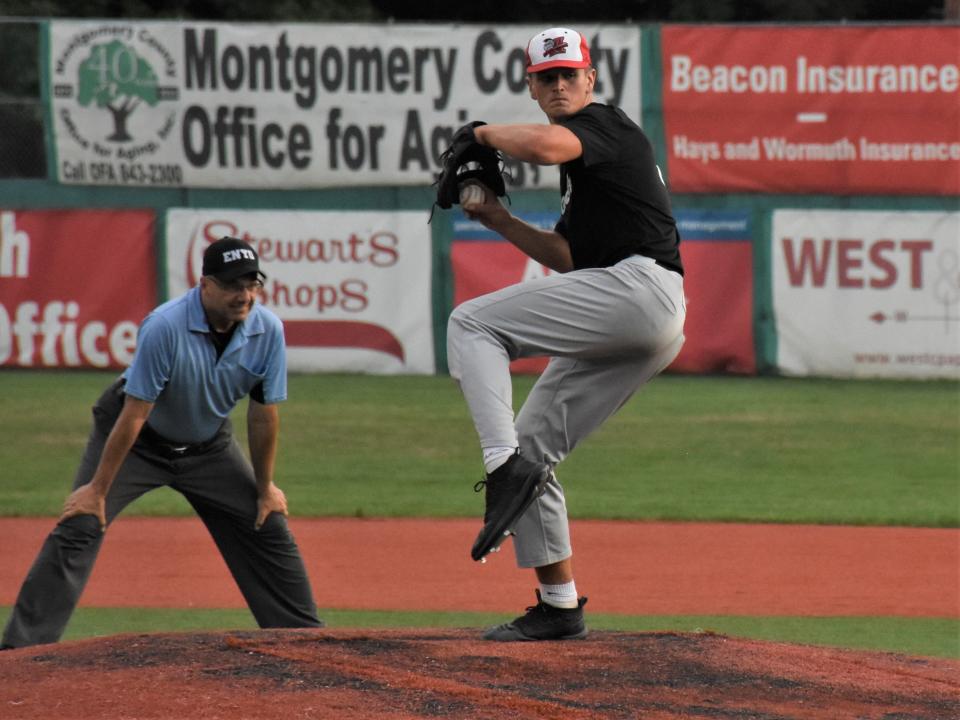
(557,47)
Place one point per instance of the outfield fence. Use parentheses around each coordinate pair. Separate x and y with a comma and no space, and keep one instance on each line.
(814,171)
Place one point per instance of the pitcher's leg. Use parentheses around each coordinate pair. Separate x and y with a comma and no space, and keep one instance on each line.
(553,315)
(480,363)
(593,313)
(571,399)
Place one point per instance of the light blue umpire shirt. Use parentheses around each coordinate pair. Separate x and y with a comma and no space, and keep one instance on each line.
(175,366)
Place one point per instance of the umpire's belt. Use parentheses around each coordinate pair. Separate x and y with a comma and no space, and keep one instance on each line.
(172,449)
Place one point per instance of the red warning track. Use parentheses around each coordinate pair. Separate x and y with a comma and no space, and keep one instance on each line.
(625,567)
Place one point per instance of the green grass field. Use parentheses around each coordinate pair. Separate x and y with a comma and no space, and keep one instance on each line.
(932,637)
(688,448)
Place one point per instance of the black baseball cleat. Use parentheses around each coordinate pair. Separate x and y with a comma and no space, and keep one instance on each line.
(543,622)
(511,489)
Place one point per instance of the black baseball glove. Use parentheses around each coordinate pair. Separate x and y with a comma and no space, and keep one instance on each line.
(466,159)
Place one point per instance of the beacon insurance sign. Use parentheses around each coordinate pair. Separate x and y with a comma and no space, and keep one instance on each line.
(841,110)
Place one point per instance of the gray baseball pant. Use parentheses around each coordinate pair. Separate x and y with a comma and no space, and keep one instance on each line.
(607,332)
(218,483)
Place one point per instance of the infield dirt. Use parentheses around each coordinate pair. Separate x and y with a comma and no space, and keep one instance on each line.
(633,568)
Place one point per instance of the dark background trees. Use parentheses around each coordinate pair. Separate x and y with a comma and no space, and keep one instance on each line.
(535,11)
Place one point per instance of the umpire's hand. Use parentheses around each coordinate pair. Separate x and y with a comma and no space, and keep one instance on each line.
(270,500)
(85,500)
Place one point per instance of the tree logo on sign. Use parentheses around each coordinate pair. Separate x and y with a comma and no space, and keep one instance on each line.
(115,77)
(115,96)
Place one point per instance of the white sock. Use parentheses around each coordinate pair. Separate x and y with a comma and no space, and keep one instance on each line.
(494,457)
(561,596)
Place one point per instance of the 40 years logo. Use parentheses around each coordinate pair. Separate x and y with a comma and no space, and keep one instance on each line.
(115,89)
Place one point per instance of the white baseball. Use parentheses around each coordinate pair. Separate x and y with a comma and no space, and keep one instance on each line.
(471,195)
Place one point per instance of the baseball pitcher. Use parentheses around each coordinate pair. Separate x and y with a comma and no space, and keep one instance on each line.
(610,321)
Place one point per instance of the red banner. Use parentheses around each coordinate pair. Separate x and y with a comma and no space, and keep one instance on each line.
(719,327)
(74,286)
(841,110)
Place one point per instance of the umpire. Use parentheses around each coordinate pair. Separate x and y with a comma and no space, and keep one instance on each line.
(610,320)
(165,422)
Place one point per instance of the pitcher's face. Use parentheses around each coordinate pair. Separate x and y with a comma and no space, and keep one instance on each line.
(562,91)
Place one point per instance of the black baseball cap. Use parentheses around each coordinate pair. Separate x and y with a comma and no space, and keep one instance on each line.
(230,258)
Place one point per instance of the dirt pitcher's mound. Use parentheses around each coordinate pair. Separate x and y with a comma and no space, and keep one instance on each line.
(389,674)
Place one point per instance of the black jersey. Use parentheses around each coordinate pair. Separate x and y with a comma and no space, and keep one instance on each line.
(614,201)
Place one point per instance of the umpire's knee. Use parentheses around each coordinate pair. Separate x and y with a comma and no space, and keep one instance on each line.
(78,532)
(274,531)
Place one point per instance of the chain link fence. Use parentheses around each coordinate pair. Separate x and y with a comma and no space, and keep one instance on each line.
(22,153)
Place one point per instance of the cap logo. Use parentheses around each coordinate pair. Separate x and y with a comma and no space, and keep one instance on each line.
(230,256)
(554,46)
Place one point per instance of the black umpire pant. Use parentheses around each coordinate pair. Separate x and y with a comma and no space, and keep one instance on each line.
(217,480)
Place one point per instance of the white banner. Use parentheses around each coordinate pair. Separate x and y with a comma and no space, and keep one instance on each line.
(867,294)
(352,288)
(295,105)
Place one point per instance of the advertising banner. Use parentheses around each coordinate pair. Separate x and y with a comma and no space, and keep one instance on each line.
(839,110)
(716,247)
(353,288)
(867,294)
(170,104)
(74,286)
